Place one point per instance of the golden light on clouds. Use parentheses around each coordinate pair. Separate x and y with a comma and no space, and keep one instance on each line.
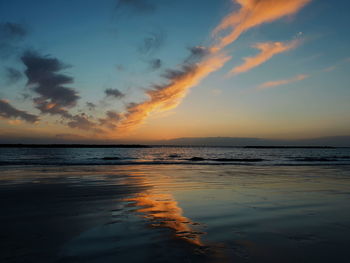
(276,83)
(170,96)
(54,99)
(254,13)
(267,51)
(251,14)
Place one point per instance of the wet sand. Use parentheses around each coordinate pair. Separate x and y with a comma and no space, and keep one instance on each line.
(175,213)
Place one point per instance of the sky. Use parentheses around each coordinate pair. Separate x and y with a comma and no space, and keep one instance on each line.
(162,69)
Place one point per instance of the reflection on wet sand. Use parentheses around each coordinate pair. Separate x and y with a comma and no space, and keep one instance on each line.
(163,212)
(95,214)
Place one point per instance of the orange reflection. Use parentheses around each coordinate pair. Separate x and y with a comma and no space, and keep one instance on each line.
(163,211)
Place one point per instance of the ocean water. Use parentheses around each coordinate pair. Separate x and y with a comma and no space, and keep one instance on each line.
(174,155)
(175,204)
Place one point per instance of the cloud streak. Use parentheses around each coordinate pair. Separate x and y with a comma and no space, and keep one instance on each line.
(276,83)
(252,14)
(11,34)
(7,111)
(267,51)
(152,43)
(166,97)
(155,64)
(82,122)
(111,120)
(137,6)
(114,93)
(46,79)
(12,75)
(204,61)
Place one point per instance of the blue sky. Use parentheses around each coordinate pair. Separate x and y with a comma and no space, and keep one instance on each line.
(101,43)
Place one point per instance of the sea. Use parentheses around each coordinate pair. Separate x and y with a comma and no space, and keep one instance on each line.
(174,204)
(163,155)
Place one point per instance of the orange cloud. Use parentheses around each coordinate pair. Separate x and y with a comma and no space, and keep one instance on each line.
(169,96)
(15,122)
(329,69)
(272,84)
(267,51)
(254,13)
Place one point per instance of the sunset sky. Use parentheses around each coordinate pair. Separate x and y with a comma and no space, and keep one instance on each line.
(161,69)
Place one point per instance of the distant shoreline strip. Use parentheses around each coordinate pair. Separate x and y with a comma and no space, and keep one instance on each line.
(92,146)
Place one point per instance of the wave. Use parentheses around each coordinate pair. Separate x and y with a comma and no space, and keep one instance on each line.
(198,159)
(313,159)
(186,163)
(171,156)
(321,159)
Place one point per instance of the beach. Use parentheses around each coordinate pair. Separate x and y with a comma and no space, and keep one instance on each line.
(175,213)
(144,131)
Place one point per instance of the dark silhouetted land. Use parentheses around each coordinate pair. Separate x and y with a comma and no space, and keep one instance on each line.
(74,146)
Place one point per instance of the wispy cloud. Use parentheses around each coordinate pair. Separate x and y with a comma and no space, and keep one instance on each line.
(11,34)
(267,51)
(276,83)
(91,106)
(336,65)
(137,6)
(205,60)
(12,75)
(152,42)
(168,96)
(7,111)
(114,93)
(155,64)
(82,122)
(110,120)
(46,79)
(330,69)
(254,13)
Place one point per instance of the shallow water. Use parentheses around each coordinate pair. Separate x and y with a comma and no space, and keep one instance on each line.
(174,155)
(175,213)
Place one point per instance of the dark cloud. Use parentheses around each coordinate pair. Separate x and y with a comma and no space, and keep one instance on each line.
(12,75)
(91,106)
(175,74)
(12,30)
(25,96)
(167,95)
(114,93)
(155,64)
(44,78)
(82,122)
(120,67)
(197,53)
(152,42)
(7,111)
(188,66)
(50,108)
(11,34)
(136,6)
(131,105)
(111,120)
(150,45)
